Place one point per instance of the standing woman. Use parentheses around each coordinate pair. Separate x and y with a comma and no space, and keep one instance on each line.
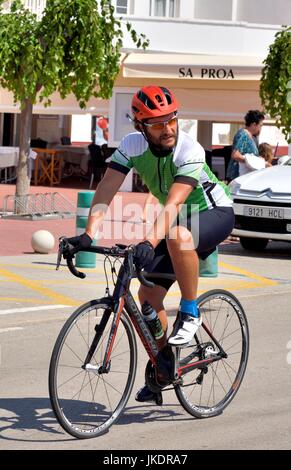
(245,142)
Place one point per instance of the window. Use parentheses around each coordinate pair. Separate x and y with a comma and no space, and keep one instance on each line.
(121,6)
(213,10)
(166,8)
(160,7)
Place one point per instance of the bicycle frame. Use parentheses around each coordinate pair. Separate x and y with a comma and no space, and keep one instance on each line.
(123,299)
(201,364)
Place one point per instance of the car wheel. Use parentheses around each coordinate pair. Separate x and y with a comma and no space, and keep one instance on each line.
(253,244)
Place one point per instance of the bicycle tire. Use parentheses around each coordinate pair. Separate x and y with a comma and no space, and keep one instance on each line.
(208,399)
(86,414)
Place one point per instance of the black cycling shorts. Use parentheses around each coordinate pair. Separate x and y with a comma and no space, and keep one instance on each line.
(208,228)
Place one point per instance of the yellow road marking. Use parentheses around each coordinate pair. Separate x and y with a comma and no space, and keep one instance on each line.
(69,281)
(26,300)
(35,286)
(230,286)
(50,267)
(244,272)
(228,266)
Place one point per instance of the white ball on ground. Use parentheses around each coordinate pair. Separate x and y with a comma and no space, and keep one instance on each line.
(42,241)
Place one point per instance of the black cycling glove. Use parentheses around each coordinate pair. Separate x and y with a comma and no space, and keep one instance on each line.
(81,241)
(144,254)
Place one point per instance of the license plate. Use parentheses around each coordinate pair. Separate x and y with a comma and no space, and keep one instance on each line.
(264,212)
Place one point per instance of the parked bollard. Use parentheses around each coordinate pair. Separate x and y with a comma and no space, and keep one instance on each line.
(209,266)
(83,258)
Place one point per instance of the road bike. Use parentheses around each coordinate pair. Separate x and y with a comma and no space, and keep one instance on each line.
(94,360)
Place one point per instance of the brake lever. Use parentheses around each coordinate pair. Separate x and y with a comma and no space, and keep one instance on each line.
(129,263)
(59,259)
(63,247)
(60,251)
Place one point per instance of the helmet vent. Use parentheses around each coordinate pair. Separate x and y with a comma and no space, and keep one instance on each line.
(167,95)
(146,100)
(159,99)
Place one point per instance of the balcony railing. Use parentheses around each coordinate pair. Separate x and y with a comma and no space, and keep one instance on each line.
(35,6)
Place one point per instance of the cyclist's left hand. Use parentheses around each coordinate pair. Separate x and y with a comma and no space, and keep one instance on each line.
(144,254)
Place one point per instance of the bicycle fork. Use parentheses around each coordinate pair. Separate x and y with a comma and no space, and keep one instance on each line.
(99,329)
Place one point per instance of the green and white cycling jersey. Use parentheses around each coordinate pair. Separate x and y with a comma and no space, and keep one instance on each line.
(185,164)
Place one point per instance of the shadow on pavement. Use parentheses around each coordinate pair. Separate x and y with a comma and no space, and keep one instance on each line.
(28,415)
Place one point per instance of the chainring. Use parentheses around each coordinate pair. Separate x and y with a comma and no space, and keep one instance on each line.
(150,378)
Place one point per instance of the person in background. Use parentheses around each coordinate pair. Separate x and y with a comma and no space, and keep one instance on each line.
(101,131)
(252,162)
(245,142)
(266,152)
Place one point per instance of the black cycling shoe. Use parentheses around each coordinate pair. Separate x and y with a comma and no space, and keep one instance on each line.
(145,394)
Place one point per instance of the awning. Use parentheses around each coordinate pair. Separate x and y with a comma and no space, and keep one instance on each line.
(216,105)
(194,66)
(67,106)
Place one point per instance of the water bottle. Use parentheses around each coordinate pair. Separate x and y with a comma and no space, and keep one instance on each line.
(152,320)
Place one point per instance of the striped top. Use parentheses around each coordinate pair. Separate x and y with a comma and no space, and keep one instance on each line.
(186,164)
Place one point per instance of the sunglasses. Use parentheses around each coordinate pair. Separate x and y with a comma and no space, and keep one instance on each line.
(157,126)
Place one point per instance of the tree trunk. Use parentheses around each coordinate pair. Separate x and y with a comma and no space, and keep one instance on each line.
(23,181)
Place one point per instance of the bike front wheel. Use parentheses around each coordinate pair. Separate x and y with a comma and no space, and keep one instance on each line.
(85,399)
(207,391)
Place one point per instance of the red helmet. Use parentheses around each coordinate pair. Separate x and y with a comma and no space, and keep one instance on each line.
(153,101)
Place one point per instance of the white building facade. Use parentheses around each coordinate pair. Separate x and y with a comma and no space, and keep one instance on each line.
(209,52)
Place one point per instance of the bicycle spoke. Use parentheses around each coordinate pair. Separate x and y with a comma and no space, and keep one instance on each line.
(110,385)
(214,386)
(224,363)
(70,379)
(87,400)
(227,363)
(93,395)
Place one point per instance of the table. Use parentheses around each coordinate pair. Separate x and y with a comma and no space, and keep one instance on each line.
(76,155)
(9,157)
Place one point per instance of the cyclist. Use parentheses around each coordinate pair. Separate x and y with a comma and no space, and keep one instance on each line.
(172,165)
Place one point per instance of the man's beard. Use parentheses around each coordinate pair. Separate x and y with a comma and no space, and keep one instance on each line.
(160,150)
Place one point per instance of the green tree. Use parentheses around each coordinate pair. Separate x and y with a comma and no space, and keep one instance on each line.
(275,85)
(73,48)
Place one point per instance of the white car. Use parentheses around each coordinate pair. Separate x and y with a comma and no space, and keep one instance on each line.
(262,205)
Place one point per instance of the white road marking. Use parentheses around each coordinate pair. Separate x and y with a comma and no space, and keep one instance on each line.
(5,330)
(33,309)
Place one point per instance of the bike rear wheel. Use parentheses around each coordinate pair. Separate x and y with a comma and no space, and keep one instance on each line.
(206,392)
(85,401)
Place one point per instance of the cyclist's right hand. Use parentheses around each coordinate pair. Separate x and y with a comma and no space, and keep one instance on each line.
(144,254)
(80,242)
